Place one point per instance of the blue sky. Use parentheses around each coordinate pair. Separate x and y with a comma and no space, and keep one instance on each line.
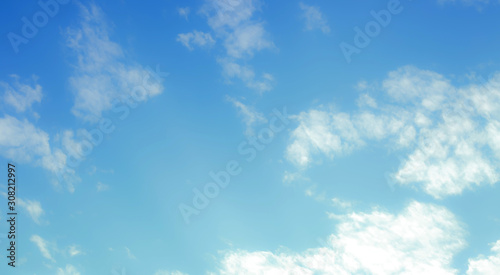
(252,137)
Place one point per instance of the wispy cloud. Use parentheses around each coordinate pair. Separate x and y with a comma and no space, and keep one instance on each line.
(251,117)
(34,208)
(184,12)
(314,18)
(21,94)
(23,142)
(129,254)
(68,270)
(195,38)
(102,187)
(102,74)
(242,35)
(74,251)
(42,246)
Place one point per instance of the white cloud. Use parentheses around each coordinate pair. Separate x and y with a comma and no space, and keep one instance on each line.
(451,132)
(34,208)
(21,95)
(68,270)
(322,132)
(74,251)
(342,204)
(232,69)
(233,22)
(42,246)
(102,75)
(244,40)
(314,19)
(229,13)
(184,12)
(197,38)
(102,187)
(425,88)
(421,240)
(129,254)
(366,100)
(290,177)
(22,142)
(486,265)
(251,117)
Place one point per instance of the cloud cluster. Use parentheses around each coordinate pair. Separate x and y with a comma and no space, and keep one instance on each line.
(486,265)
(102,75)
(422,239)
(450,134)
(233,23)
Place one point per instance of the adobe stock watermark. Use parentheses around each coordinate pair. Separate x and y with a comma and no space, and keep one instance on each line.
(48,9)
(221,179)
(363,37)
(105,126)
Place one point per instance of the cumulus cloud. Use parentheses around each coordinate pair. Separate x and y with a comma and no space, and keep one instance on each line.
(195,38)
(102,75)
(451,133)
(314,18)
(21,94)
(422,239)
(486,265)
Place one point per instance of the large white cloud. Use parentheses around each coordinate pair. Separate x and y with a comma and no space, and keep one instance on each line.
(451,133)
(422,239)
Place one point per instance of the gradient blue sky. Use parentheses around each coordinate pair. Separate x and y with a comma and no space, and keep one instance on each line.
(387,164)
